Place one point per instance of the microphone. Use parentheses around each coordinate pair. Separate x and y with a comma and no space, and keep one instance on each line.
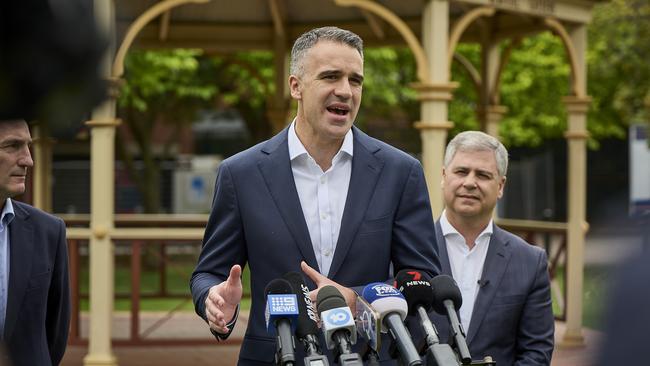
(281,314)
(392,308)
(307,327)
(446,301)
(368,326)
(338,325)
(416,288)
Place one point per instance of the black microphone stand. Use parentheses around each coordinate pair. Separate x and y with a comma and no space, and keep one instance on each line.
(437,354)
(314,356)
(343,353)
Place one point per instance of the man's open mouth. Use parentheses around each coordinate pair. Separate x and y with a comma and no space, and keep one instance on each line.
(341,111)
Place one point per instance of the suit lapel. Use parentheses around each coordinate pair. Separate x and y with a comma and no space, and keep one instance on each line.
(442,251)
(365,172)
(20,264)
(496,262)
(276,170)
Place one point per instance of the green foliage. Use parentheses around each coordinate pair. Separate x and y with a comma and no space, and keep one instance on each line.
(619,71)
(537,76)
(388,73)
(170,87)
(462,109)
(533,84)
(164,79)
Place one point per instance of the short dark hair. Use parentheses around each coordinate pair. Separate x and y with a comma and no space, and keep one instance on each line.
(308,39)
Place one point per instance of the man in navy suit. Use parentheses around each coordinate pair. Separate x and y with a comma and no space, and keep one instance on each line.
(504,281)
(34,288)
(320,196)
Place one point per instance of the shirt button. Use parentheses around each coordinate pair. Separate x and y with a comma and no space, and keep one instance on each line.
(322,180)
(327,253)
(323,216)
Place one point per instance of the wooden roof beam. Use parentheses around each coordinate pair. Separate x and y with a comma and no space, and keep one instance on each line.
(279,16)
(374,23)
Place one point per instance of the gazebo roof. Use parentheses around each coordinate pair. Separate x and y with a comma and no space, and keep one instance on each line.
(226,26)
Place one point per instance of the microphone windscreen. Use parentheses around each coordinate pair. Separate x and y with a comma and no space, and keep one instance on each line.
(416,288)
(278,286)
(445,288)
(329,298)
(307,320)
(385,299)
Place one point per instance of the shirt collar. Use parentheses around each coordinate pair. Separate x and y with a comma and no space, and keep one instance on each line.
(448,229)
(7,214)
(296,148)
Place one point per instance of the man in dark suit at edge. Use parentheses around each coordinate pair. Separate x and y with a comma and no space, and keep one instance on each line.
(34,287)
(320,196)
(506,311)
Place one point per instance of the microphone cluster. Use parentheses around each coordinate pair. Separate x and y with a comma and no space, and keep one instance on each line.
(380,308)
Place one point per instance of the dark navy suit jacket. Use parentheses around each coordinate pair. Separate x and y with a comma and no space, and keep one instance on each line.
(512,319)
(38,304)
(257,219)
(627,317)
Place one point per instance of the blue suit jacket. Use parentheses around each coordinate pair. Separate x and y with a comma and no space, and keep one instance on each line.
(257,219)
(627,316)
(512,319)
(38,305)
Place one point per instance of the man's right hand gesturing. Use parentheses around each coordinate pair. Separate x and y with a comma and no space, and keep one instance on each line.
(222,300)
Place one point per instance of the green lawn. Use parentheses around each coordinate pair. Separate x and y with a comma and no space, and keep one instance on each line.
(594,297)
(178,275)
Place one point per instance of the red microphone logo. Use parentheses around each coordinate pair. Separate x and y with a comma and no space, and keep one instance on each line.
(416,275)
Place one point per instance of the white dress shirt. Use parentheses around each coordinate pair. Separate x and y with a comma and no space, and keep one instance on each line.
(322,194)
(5,218)
(466,265)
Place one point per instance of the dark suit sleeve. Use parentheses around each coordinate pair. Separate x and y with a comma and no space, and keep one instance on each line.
(414,239)
(536,326)
(58,300)
(223,243)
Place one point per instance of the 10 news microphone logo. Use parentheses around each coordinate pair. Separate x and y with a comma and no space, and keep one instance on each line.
(338,317)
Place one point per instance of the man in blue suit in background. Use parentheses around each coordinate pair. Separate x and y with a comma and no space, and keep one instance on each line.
(34,288)
(506,311)
(320,196)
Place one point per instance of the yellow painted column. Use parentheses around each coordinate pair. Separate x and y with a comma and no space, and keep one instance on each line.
(42,155)
(434,97)
(278,103)
(576,135)
(577,193)
(493,116)
(490,112)
(102,157)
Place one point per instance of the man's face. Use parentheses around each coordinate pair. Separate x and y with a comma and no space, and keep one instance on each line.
(15,158)
(471,185)
(329,89)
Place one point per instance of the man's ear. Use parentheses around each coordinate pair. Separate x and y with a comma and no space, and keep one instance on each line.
(442,178)
(502,184)
(294,87)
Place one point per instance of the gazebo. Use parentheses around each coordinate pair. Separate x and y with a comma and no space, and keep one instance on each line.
(431,29)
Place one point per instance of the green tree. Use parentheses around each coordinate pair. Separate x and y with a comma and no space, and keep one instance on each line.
(161,87)
(619,71)
(168,87)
